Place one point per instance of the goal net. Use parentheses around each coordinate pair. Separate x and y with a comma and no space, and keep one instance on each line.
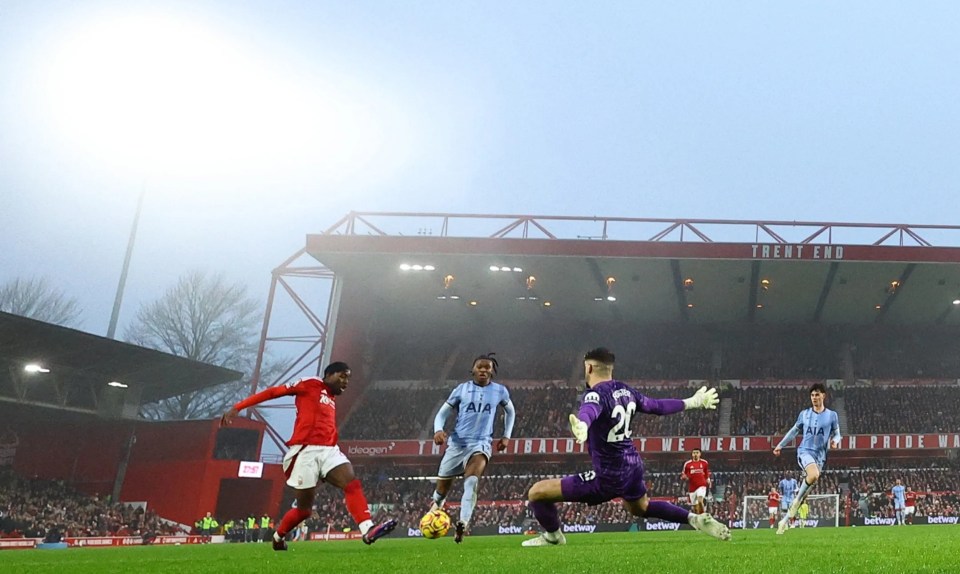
(824,511)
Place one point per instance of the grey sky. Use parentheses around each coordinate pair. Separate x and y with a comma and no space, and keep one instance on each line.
(250,124)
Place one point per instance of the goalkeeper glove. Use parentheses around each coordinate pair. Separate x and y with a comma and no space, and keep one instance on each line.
(704,398)
(578,428)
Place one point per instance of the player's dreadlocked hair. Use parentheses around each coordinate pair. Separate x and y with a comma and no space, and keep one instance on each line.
(488,357)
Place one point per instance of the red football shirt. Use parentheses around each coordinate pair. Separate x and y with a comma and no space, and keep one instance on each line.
(773,500)
(698,472)
(316,422)
(911,498)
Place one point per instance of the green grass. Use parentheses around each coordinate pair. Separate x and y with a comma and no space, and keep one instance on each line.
(865,549)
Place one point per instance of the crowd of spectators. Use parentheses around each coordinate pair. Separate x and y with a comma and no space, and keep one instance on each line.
(44,509)
(919,353)
(393,413)
(777,355)
(502,496)
(903,409)
(671,352)
(691,423)
(542,411)
(52,510)
(756,411)
(503,492)
(765,411)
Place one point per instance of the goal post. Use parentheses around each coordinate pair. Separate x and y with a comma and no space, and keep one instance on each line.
(824,511)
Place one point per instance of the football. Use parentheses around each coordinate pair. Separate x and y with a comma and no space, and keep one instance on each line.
(435,524)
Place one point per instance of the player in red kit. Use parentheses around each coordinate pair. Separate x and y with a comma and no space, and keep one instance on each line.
(314,454)
(697,472)
(911,505)
(773,504)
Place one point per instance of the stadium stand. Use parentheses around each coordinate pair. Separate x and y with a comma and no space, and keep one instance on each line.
(503,491)
(542,407)
(911,409)
(395,413)
(51,509)
(764,411)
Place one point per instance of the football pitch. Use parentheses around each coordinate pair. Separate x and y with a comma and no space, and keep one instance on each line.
(871,549)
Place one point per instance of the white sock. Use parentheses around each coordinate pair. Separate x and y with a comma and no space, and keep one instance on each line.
(552,536)
(801,496)
(469,499)
(365,526)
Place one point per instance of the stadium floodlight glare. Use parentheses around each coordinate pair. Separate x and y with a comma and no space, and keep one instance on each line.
(416,267)
(517,270)
(35,368)
(956,301)
(494,268)
(598,298)
(504,268)
(547,303)
(181,75)
(611,298)
(117,384)
(473,303)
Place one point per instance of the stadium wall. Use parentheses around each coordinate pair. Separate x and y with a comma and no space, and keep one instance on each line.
(84,454)
(171,464)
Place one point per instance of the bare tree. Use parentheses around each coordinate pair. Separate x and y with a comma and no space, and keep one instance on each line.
(38,299)
(206,319)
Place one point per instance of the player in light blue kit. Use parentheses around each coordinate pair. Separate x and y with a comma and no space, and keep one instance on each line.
(899,501)
(821,430)
(469,445)
(788,491)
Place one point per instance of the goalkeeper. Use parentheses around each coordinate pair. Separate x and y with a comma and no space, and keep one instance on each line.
(603,422)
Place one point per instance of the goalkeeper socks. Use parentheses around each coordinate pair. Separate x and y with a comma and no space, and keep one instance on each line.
(546,514)
(667,511)
(469,499)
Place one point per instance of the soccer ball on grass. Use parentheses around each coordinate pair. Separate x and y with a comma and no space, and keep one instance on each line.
(435,524)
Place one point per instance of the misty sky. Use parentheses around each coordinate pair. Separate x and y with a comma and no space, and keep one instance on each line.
(250,124)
